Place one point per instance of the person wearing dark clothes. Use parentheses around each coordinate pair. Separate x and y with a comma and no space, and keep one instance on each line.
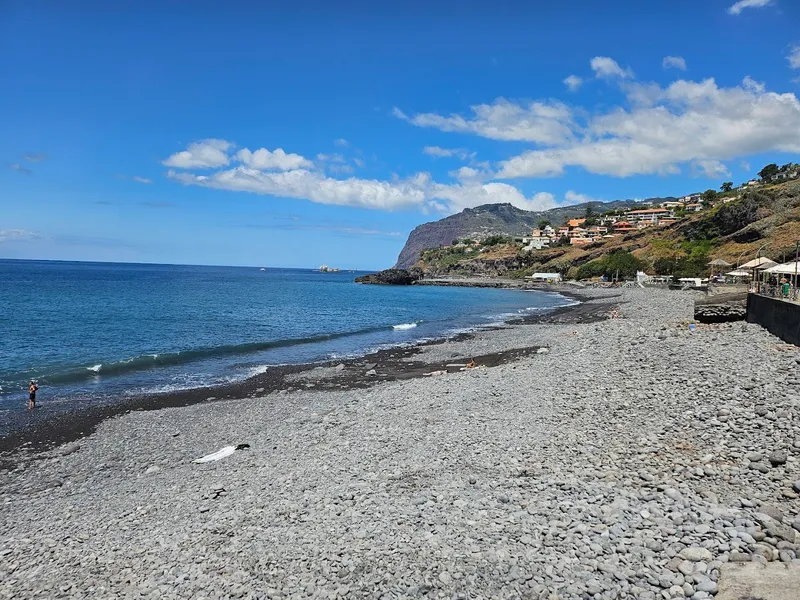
(32,387)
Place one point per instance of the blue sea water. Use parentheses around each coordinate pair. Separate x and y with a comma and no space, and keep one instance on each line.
(92,332)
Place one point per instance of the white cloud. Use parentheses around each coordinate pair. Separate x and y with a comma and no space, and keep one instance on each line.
(17,235)
(576,198)
(447,152)
(468,195)
(606,67)
(331,157)
(418,191)
(751,84)
(739,6)
(341,142)
(314,186)
(264,159)
(794,57)
(465,174)
(685,123)
(34,157)
(546,122)
(712,169)
(205,154)
(573,82)
(674,62)
(138,179)
(359,163)
(340,169)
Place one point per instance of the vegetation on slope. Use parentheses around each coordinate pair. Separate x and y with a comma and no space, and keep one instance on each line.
(765,219)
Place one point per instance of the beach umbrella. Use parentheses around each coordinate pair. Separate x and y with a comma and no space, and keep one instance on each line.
(718,262)
(738,273)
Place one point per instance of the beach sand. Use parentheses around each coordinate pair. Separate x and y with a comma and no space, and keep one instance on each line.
(584,457)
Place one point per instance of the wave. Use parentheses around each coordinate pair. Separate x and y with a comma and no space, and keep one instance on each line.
(150,361)
(404,326)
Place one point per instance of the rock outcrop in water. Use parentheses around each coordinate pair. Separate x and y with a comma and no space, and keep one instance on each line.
(390,277)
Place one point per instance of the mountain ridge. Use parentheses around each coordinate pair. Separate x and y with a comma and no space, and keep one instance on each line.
(495,219)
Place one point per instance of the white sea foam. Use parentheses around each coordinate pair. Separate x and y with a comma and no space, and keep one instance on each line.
(403,326)
(95,368)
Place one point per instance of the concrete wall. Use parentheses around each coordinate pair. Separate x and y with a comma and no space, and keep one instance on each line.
(776,316)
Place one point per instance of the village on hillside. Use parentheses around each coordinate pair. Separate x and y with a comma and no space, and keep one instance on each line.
(611,224)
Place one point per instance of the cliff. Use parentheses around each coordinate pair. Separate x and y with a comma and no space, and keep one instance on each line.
(490,219)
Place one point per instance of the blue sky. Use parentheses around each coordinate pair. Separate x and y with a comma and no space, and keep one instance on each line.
(233,133)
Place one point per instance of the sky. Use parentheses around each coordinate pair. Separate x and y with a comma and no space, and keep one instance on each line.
(237,133)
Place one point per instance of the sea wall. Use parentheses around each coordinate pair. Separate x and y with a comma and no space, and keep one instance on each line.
(779,317)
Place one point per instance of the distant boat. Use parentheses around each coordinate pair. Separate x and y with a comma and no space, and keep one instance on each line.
(263,269)
(327,269)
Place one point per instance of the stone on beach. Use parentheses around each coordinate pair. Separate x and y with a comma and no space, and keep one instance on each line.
(622,472)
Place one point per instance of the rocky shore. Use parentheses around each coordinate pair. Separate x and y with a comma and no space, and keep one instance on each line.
(629,457)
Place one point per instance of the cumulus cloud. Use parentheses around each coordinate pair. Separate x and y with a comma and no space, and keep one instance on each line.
(686,122)
(547,122)
(418,191)
(739,6)
(314,186)
(138,179)
(608,68)
(573,82)
(794,57)
(341,142)
(359,163)
(17,235)
(674,62)
(264,159)
(205,154)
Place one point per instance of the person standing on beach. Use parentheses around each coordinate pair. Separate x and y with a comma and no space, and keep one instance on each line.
(32,387)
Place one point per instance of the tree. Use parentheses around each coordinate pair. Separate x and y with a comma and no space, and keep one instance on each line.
(768,172)
(590,217)
(726,186)
(709,196)
(543,223)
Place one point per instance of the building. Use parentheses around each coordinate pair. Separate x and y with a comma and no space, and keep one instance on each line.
(667,222)
(672,205)
(648,215)
(573,223)
(580,240)
(537,243)
(546,277)
(694,207)
(623,226)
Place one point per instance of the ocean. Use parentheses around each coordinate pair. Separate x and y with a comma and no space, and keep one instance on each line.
(95,332)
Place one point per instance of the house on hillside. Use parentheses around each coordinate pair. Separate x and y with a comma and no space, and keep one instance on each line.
(623,227)
(648,215)
(672,205)
(694,207)
(563,231)
(580,240)
(573,223)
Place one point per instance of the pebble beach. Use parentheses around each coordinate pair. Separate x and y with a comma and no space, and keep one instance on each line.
(619,458)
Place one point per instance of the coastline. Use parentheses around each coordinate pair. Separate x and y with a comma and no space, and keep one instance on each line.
(625,462)
(396,363)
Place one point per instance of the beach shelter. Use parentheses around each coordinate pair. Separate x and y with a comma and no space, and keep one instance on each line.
(789,268)
(738,273)
(762,262)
